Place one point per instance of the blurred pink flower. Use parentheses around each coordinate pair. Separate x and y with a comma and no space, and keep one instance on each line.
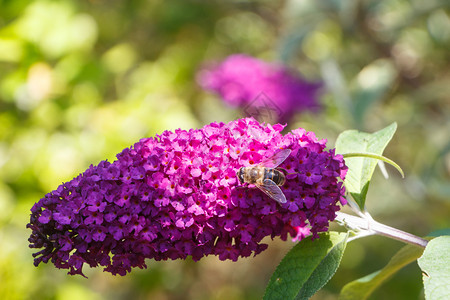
(267,91)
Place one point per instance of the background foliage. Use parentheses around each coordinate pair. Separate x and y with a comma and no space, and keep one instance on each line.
(81,80)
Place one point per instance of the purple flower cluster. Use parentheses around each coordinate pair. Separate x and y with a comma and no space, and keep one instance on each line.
(177,195)
(263,90)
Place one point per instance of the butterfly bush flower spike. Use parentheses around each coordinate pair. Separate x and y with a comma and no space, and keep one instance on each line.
(177,195)
(264,90)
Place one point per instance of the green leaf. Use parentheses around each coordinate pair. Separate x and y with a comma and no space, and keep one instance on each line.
(360,170)
(307,267)
(362,288)
(435,263)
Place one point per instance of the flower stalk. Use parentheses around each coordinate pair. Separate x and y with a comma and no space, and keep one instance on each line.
(369,226)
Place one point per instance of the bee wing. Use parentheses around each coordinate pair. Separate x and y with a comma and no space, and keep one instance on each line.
(276,159)
(272,190)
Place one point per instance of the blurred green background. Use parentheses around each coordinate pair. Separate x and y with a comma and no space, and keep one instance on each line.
(81,80)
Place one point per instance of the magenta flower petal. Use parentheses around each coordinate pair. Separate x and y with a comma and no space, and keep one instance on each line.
(176,195)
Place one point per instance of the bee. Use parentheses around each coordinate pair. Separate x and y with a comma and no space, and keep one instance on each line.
(266,176)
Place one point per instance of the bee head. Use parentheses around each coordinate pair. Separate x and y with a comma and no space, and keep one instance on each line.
(240,175)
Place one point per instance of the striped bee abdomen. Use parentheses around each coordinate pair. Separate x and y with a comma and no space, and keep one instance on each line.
(274,175)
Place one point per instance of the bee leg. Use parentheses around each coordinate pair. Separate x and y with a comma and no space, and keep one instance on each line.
(243,186)
(246,186)
(284,171)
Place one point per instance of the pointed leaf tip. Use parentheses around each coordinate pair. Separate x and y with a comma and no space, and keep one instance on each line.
(360,170)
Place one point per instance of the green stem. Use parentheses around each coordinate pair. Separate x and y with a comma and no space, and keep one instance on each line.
(375,156)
